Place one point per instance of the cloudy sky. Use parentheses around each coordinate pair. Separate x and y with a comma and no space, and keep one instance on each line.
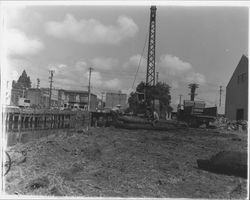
(193,45)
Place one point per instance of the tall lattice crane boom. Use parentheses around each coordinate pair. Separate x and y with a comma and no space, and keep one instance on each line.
(150,77)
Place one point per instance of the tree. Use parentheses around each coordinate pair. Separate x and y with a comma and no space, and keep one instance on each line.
(22,82)
(160,91)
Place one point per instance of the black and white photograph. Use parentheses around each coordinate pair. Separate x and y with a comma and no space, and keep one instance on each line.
(144,99)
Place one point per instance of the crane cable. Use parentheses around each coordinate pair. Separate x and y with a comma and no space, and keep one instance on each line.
(140,59)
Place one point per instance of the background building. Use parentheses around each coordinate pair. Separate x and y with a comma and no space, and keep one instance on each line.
(114,99)
(237,92)
(16,94)
(35,97)
(80,98)
(39,98)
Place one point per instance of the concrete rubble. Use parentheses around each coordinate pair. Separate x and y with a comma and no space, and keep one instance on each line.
(226,124)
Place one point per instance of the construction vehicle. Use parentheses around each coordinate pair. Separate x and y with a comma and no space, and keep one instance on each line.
(194,113)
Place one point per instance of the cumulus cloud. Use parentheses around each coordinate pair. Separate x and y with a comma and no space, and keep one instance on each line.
(92,31)
(104,63)
(134,61)
(98,81)
(18,43)
(195,77)
(60,66)
(77,77)
(131,67)
(177,70)
(174,65)
(81,66)
(113,83)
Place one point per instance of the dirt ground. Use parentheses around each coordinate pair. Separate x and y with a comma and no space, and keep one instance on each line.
(110,162)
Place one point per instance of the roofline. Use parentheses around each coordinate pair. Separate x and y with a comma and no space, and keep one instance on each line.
(115,93)
(76,91)
(243,56)
(70,91)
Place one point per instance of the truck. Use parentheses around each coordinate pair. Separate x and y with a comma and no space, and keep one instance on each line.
(194,113)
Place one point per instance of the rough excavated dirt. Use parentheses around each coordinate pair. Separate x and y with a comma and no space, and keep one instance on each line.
(111,162)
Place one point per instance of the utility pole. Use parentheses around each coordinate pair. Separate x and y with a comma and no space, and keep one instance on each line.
(89,94)
(157,76)
(37,83)
(23,92)
(50,88)
(102,105)
(220,94)
(180,95)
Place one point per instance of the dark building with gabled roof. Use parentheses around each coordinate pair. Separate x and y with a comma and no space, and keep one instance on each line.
(237,92)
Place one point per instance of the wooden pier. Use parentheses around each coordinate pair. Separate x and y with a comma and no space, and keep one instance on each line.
(17,119)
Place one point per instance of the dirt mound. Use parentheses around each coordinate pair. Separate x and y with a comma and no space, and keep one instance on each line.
(226,162)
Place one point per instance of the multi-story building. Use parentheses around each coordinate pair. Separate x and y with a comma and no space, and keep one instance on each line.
(16,94)
(76,97)
(59,98)
(114,99)
(34,95)
(40,97)
(237,92)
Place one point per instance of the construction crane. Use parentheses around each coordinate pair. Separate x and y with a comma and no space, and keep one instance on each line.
(150,76)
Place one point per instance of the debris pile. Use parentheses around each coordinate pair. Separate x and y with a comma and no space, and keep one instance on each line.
(230,125)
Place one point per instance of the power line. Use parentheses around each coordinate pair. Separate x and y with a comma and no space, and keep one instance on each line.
(122,76)
(140,59)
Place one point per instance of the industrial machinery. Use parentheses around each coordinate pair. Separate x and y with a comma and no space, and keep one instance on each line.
(195,113)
